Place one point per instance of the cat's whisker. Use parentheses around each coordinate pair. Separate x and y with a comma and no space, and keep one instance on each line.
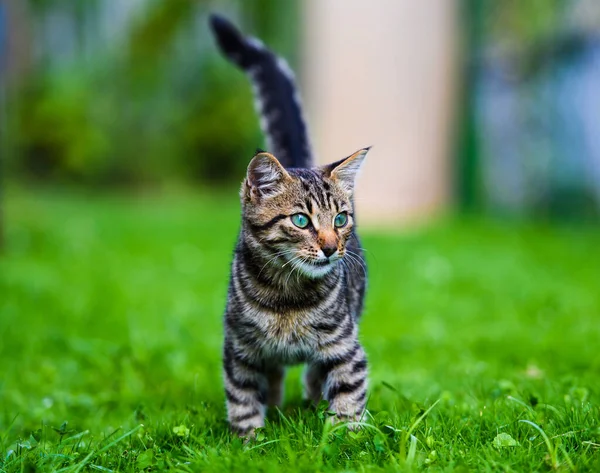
(347,263)
(291,260)
(364,249)
(370,252)
(356,260)
(361,266)
(296,262)
(353,253)
(277,255)
(293,268)
(298,266)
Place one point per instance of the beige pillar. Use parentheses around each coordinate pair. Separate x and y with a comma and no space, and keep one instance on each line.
(381,73)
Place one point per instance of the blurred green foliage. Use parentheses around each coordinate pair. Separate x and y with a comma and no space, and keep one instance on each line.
(521,22)
(159,103)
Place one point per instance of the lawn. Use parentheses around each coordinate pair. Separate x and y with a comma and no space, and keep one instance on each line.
(483,340)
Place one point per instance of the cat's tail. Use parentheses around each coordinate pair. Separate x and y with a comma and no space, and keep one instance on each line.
(277,100)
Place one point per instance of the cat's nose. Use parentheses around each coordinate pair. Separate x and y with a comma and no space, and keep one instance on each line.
(328,249)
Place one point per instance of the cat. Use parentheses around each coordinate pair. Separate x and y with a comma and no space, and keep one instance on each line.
(298,275)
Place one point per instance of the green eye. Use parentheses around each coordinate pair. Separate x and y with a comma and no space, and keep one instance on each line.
(341,220)
(300,220)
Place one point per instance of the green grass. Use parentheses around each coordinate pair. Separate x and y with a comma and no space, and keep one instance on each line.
(480,335)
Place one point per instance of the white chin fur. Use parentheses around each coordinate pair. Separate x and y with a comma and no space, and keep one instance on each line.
(315,272)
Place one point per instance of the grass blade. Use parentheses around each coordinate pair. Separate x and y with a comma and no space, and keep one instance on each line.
(92,454)
(549,446)
(409,433)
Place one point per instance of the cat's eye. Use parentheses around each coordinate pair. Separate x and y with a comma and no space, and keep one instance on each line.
(340,220)
(300,220)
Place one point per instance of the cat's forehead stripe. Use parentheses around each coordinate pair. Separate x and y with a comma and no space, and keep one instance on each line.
(315,196)
(319,194)
(309,206)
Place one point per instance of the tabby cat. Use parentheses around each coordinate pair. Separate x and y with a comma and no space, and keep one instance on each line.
(298,275)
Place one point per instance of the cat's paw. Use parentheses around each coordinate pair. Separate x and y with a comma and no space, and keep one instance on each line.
(352,422)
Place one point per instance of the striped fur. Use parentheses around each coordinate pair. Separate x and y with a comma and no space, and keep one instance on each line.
(295,294)
(277,100)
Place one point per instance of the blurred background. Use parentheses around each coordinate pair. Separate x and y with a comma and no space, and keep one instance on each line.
(486,106)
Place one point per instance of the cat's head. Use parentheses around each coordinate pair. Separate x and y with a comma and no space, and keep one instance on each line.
(301,219)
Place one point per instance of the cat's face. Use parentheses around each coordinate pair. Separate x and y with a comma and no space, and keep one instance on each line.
(301,219)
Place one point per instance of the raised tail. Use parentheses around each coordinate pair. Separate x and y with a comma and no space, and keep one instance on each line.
(277,100)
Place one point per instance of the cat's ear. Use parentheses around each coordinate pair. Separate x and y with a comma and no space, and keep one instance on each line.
(345,170)
(265,176)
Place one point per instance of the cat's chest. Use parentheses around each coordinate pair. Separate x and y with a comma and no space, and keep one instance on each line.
(290,336)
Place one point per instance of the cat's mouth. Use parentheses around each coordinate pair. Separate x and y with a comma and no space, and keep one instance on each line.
(321,263)
(318,268)
(314,268)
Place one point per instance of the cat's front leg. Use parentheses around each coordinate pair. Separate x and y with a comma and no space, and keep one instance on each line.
(245,389)
(275,375)
(345,385)
(314,379)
